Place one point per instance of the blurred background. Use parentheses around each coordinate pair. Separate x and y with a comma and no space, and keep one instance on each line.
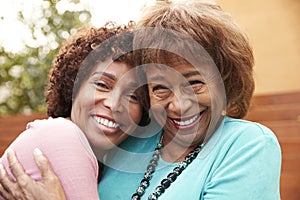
(30,36)
(31,32)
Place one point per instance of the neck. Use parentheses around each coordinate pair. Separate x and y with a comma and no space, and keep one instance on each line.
(99,153)
(173,152)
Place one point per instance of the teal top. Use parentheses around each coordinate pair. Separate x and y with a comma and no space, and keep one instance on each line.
(242,160)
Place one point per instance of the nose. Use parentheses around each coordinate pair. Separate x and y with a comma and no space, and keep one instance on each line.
(180,104)
(107,101)
(112,102)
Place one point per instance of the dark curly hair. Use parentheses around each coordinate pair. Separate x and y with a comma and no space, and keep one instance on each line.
(219,35)
(79,55)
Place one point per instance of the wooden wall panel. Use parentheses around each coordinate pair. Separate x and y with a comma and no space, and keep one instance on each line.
(12,126)
(279,112)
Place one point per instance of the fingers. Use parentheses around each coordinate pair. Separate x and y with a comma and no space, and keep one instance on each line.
(4,194)
(5,180)
(50,180)
(17,170)
(6,184)
(44,165)
(26,188)
(14,165)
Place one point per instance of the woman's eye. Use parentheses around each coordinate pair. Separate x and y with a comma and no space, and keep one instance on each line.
(195,86)
(132,97)
(101,85)
(161,92)
(196,83)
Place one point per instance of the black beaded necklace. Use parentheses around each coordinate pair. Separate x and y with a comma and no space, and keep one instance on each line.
(171,177)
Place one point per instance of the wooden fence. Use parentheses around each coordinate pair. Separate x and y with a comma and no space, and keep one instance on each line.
(280,112)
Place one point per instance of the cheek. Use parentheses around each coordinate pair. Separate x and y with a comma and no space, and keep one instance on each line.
(75,109)
(204,99)
(159,113)
(87,98)
(78,105)
(135,113)
(154,102)
(158,109)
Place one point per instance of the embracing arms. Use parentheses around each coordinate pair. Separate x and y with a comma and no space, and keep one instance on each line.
(69,153)
(26,188)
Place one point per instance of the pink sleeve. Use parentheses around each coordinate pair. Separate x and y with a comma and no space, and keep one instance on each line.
(68,150)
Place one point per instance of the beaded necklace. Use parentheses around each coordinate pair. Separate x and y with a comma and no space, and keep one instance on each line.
(171,177)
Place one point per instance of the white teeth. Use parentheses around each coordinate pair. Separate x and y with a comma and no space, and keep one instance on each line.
(187,122)
(106,122)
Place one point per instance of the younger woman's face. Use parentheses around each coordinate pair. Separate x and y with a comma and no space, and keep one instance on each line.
(106,107)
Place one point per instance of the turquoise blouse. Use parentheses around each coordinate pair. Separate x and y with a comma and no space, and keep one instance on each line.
(242,160)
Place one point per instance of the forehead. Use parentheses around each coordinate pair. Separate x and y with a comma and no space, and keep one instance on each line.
(116,69)
(184,70)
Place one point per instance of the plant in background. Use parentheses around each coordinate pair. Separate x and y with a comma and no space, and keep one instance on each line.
(24,74)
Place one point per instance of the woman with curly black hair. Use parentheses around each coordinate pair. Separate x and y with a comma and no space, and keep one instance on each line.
(93,103)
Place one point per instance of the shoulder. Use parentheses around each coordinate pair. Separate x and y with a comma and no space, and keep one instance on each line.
(54,127)
(51,132)
(248,129)
(53,123)
(243,137)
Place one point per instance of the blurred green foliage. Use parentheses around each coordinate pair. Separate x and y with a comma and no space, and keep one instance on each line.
(24,75)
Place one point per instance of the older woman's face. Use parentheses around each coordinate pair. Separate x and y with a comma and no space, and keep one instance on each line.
(106,107)
(180,102)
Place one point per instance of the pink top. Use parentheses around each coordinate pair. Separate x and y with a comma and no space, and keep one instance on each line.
(68,150)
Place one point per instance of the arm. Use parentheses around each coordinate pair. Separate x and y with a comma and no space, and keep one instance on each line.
(26,188)
(68,151)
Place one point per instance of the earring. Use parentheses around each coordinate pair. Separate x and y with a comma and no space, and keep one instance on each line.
(223,113)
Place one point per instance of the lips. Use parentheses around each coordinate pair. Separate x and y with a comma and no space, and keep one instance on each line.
(187,122)
(106,122)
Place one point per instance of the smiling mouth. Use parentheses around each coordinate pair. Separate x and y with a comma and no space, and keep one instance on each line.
(106,122)
(187,122)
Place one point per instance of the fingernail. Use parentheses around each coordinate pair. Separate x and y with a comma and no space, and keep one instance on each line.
(38,152)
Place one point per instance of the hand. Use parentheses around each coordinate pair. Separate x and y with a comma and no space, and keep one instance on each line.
(25,188)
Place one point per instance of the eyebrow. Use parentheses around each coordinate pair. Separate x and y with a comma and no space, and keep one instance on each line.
(129,85)
(186,75)
(111,76)
(156,78)
(192,73)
